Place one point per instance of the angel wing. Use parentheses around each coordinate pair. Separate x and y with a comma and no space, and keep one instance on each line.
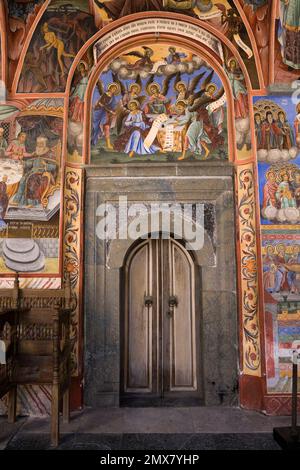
(121,113)
(177,80)
(150,80)
(200,102)
(147,48)
(194,82)
(138,54)
(118,81)
(203,85)
(138,81)
(166,84)
(100,87)
(207,80)
(141,100)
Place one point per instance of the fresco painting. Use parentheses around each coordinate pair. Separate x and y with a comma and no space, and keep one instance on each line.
(287,43)
(153,103)
(61,32)
(258,14)
(21,16)
(281,278)
(158,103)
(76,107)
(276,120)
(222,15)
(278,155)
(30,186)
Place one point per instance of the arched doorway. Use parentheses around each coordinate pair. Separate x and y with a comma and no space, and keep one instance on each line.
(170,177)
(160,326)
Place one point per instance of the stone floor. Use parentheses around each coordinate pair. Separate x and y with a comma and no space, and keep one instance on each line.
(149,428)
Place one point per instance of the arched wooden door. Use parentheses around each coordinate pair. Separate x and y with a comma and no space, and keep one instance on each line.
(160,361)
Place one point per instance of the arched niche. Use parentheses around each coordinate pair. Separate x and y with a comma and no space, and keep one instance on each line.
(240,148)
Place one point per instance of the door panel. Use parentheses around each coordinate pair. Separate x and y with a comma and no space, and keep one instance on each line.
(139,322)
(181,326)
(161,329)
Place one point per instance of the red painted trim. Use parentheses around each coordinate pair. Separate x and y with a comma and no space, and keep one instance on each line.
(251,396)
(30,275)
(26,44)
(3,34)
(274,11)
(253,43)
(165,15)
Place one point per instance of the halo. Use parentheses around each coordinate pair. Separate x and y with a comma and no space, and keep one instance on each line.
(179,83)
(269,245)
(280,245)
(280,111)
(230,60)
(85,65)
(116,85)
(211,85)
(281,173)
(157,85)
(134,101)
(184,102)
(269,172)
(136,85)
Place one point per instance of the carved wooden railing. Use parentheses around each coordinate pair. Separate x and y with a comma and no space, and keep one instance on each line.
(35,328)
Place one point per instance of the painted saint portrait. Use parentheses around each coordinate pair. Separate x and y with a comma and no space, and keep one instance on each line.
(281,267)
(289,37)
(278,152)
(158,103)
(281,282)
(30,186)
(287,43)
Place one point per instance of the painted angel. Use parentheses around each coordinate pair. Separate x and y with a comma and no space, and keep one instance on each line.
(104,113)
(187,91)
(204,133)
(144,61)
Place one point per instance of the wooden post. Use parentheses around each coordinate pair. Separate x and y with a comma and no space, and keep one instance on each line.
(66,406)
(12,404)
(55,416)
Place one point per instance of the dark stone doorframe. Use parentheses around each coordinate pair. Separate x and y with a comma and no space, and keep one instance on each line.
(209,183)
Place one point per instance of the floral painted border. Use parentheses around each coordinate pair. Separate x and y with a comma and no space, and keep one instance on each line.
(249,274)
(72,260)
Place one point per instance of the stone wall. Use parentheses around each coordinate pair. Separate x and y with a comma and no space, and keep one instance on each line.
(210,183)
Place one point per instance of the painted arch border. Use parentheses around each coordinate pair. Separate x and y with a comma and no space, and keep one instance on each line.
(181,40)
(114,24)
(200,49)
(151,39)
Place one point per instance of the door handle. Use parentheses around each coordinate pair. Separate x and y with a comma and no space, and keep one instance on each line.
(173,302)
(148,301)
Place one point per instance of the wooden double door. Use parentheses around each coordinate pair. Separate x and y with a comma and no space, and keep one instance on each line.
(160,329)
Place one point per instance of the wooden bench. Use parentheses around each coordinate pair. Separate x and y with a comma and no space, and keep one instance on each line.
(35,328)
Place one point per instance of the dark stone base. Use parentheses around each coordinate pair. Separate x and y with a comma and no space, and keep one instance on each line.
(111,442)
(286,439)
